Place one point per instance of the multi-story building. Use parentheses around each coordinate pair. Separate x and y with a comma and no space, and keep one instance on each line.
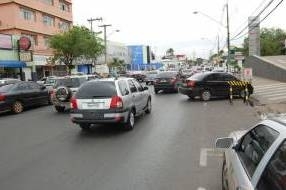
(38,20)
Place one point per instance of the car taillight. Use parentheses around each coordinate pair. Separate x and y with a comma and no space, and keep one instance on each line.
(73,103)
(2,97)
(191,83)
(116,102)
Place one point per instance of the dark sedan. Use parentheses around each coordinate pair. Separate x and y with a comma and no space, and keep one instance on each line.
(167,81)
(213,84)
(15,97)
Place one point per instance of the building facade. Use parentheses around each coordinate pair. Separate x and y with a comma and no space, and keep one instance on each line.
(38,20)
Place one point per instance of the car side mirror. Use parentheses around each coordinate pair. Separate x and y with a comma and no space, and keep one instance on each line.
(145,88)
(224,143)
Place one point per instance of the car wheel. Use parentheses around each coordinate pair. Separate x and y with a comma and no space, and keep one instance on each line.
(156,91)
(60,109)
(149,107)
(191,97)
(84,126)
(130,122)
(17,107)
(223,176)
(206,95)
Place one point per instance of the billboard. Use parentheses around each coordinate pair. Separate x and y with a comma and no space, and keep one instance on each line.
(137,54)
(5,41)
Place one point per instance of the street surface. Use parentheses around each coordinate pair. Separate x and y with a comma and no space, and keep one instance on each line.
(172,148)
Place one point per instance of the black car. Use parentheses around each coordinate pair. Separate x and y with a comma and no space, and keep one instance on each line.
(213,84)
(15,97)
(167,81)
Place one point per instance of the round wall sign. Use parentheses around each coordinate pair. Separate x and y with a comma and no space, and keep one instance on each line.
(24,43)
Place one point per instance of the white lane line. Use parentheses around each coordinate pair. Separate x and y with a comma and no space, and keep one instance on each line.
(270,91)
(203,157)
(274,95)
(277,98)
(201,188)
(269,85)
(205,152)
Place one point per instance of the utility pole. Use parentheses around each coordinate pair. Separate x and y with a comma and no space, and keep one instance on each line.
(228,40)
(105,41)
(91,20)
(217,45)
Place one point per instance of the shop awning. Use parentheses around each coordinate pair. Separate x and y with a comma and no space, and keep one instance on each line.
(12,64)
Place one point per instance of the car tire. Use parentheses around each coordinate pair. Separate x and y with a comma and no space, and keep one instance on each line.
(17,107)
(63,93)
(149,107)
(60,109)
(129,125)
(191,97)
(156,91)
(206,95)
(84,126)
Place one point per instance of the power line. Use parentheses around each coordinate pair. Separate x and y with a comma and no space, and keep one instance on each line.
(270,2)
(253,27)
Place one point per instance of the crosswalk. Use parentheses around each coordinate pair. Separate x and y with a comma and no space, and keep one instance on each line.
(275,92)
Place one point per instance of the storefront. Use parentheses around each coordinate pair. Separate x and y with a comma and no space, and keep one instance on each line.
(12,69)
(86,69)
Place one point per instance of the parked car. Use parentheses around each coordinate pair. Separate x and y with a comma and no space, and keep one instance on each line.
(5,81)
(15,97)
(63,90)
(167,81)
(110,101)
(150,77)
(140,77)
(212,84)
(255,159)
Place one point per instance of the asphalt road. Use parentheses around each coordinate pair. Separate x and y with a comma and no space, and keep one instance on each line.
(41,149)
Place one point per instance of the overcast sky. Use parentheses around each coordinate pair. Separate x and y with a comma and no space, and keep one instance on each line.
(164,24)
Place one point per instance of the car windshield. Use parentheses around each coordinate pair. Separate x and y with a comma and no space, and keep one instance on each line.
(70,82)
(50,81)
(166,74)
(97,89)
(6,88)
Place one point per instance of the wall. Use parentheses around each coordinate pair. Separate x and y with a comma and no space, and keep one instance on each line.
(264,69)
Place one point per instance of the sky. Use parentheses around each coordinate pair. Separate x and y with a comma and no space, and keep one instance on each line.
(165,24)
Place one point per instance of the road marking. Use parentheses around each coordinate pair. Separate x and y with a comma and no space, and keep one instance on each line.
(201,188)
(263,91)
(205,152)
(268,86)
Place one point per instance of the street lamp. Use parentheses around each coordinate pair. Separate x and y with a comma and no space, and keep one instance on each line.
(227,29)
(105,40)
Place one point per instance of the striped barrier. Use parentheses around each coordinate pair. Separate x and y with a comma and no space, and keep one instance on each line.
(239,84)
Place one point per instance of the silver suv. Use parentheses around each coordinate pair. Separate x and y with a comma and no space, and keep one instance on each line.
(255,159)
(63,90)
(110,101)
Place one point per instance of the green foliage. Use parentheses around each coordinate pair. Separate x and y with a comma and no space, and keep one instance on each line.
(271,42)
(77,42)
(116,64)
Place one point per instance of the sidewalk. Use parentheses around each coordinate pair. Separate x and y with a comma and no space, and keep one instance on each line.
(263,106)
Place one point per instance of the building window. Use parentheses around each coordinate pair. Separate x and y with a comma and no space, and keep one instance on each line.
(33,38)
(48,2)
(47,42)
(27,14)
(48,20)
(64,6)
(65,26)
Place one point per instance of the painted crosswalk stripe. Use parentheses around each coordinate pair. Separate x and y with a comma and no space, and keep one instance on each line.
(272,84)
(271,95)
(269,87)
(201,188)
(278,98)
(270,91)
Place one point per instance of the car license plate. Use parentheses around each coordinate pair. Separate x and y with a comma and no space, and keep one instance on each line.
(163,81)
(93,105)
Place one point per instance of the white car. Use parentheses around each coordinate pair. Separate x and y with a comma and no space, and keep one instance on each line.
(255,159)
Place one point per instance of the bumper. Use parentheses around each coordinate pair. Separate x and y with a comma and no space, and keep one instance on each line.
(99,117)
(4,106)
(165,87)
(189,91)
(56,102)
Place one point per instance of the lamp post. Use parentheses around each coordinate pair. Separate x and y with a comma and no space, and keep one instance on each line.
(227,29)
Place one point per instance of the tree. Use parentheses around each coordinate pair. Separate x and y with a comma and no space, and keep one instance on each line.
(170,52)
(116,64)
(75,43)
(271,41)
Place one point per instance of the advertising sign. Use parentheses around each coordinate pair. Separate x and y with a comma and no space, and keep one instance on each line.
(136,54)
(26,56)
(5,41)
(247,74)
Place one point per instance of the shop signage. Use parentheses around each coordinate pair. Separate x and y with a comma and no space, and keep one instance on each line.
(6,41)
(26,56)
(24,43)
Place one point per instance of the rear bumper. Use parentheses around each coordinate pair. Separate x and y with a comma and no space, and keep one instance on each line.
(4,106)
(189,91)
(58,103)
(165,86)
(99,117)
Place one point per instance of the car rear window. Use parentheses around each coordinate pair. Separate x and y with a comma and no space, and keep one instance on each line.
(70,82)
(97,89)
(6,88)
(197,76)
(167,75)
